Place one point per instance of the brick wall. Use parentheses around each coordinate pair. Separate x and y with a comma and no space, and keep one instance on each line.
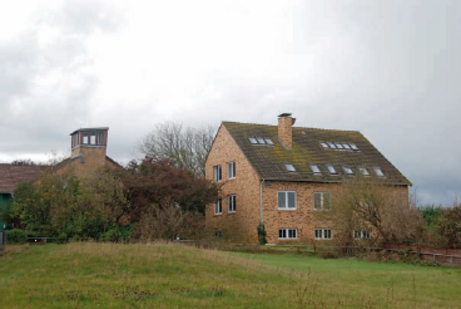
(246,186)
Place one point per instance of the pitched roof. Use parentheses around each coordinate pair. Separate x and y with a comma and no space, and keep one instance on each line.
(12,175)
(268,161)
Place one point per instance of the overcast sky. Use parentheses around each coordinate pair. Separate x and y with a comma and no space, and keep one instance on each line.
(390,69)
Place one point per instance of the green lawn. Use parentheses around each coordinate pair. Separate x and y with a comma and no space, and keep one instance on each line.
(92,275)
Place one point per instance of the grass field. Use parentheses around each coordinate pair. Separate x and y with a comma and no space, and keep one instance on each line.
(92,275)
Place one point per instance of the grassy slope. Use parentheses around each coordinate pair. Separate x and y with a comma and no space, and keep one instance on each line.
(92,275)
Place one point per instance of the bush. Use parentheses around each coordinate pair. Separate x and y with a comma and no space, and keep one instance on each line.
(261,234)
(116,233)
(62,238)
(16,237)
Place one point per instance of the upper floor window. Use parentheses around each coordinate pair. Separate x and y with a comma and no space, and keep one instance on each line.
(378,171)
(290,167)
(322,200)
(217,173)
(231,170)
(287,200)
(231,203)
(218,206)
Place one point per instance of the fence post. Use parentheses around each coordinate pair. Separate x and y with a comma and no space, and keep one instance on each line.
(2,241)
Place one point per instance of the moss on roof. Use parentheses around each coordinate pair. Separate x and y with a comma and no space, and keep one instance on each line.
(268,160)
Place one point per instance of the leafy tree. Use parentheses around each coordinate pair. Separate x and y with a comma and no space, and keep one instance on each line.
(166,185)
(449,226)
(187,147)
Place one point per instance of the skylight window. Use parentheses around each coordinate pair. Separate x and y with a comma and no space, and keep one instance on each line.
(290,167)
(268,141)
(315,169)
(339,145)
(348,170)
(260,140)
(378,171)
(331,169)
(257,140)
(332,145)
(363,170)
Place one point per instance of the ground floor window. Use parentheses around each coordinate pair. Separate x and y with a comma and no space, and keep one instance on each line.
(362,234)
(288,233)
(323,234)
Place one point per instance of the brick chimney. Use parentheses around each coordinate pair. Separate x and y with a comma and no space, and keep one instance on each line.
(285,132)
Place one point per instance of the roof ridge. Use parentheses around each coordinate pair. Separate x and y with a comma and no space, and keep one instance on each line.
(294,127)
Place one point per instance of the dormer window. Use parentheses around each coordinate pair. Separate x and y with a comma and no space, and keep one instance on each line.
(290,168)
(354,147)
(363,170)
(346,146)
(348,171)
(324,145)
(378,171)
(315,169)
(331,169)
(261,140)
(253,140)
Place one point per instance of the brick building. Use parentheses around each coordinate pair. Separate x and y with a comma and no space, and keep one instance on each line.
(280,175)
(89,153)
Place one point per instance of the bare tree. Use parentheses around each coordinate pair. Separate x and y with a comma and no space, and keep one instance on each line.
(185,146)
(368,208)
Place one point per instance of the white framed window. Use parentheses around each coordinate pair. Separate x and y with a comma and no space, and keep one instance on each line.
(218,206)
(378,171)
(331,170)
(362,234)
(322,200)
(231,170)
(288,234)
(217,173)
(347,170)
(323,234)
(363,170)
(290,168)
(287,200)
(315,169)
(231,203)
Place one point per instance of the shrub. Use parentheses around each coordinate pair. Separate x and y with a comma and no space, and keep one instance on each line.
(16,237)
(62,238)
(261,234)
